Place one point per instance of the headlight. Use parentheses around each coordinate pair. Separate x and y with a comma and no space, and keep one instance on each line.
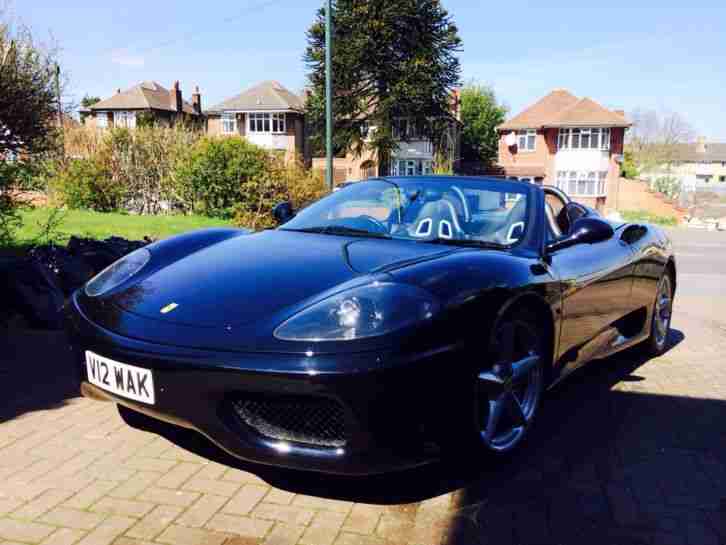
(117,273)
(367,311)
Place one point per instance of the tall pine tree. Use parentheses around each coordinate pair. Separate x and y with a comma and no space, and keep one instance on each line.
(392,59)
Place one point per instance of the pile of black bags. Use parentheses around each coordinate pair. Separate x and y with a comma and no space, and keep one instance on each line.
(36,286)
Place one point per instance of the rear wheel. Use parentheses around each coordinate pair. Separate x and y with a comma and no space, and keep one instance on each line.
(660,324)
(509,392)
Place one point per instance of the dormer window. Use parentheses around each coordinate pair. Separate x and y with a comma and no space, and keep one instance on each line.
(527,140)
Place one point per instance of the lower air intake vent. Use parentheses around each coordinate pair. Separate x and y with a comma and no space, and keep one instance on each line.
(316,421)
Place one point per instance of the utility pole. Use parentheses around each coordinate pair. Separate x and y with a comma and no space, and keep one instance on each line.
(60,110)
(329,93)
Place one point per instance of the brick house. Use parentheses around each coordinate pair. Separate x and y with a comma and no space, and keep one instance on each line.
(573,143)
(414,154)
(165,106)
(267,114)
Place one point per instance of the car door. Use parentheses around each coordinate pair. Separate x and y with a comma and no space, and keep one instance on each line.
(596,283)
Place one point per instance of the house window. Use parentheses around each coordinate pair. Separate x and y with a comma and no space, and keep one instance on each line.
(266,123)
(278,123)
(527,140)
(101,120)
(584,138)
(582,184)
(229,123)
(124,119)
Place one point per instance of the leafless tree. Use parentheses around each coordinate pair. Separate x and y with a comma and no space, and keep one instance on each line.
(655,138)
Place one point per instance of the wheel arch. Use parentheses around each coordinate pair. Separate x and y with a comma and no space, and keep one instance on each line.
(534,302)
(670,268)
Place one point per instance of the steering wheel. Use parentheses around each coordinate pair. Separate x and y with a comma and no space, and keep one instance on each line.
(378,225)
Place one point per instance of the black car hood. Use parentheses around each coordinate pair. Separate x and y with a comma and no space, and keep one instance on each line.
(247,278)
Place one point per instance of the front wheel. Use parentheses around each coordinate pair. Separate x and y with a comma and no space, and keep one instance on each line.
(509,392)
(660,324)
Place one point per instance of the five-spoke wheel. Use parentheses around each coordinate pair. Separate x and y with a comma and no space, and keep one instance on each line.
(509,390)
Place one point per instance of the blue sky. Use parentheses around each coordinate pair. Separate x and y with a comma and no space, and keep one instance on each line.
(657,54)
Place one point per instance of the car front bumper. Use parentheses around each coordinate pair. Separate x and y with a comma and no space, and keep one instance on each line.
(388,401)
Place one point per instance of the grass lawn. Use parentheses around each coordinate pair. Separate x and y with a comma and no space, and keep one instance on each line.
(84,223)
(646,217)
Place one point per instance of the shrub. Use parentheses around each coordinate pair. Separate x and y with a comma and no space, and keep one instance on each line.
(629,169)
(670,187)
(282,182)
(87,183)
(9,219)
(210,179)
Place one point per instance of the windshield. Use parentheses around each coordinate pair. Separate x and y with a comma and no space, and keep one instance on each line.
(445,210)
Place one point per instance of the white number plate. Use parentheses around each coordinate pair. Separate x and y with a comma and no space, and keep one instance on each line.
(120,378)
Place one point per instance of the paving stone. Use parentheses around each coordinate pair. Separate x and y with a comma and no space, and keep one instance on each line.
(314,502)
(46,501)
(150,464)
(324,528)
(72,518)
(135,485)
(23,530)
(107,531)
(179,474)
(284,534)
(245,500)
(283,513)
(90,494)
(243,526)
(363,519)
(281,497)
(64,536)
(201,511)
(116,506)
(209,486)
(169,497)
(154,522)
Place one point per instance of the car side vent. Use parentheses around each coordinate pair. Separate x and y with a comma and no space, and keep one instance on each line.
(310,420)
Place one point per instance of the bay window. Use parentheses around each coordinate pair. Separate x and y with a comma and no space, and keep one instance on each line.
(584,138)
(582,183)
(266,122)
(229,123)
(527,140)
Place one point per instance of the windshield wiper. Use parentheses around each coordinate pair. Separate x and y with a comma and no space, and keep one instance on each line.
(339,230)
(466,243)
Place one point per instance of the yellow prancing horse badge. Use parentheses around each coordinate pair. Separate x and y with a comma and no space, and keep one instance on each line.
(168,308)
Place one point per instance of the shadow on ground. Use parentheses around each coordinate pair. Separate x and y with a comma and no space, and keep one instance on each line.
(608,461)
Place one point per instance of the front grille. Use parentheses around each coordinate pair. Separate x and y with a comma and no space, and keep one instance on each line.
(316,421)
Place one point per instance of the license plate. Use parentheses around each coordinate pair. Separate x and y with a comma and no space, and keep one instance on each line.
(120,378)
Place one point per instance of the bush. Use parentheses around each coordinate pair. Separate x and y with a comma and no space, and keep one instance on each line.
(210,179)
(670,187)
(282,182)
(629,169)
(87,183)
(9,219)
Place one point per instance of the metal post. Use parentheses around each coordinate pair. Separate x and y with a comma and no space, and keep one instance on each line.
(329,93)
(60,108)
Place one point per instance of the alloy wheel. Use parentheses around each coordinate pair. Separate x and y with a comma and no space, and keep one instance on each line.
(510,391)
(663,310)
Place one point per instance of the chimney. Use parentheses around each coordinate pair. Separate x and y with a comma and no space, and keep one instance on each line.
(701,145)
(176,97)
(197,100)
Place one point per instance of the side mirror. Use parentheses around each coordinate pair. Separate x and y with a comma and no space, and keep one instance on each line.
(588,230)
(283,212)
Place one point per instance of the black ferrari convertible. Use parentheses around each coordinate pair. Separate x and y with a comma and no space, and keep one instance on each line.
(386,325)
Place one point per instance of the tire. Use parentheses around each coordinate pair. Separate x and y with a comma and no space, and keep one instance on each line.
(660,322)
(510,385)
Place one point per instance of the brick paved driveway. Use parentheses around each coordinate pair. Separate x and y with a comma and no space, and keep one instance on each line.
(626,452)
